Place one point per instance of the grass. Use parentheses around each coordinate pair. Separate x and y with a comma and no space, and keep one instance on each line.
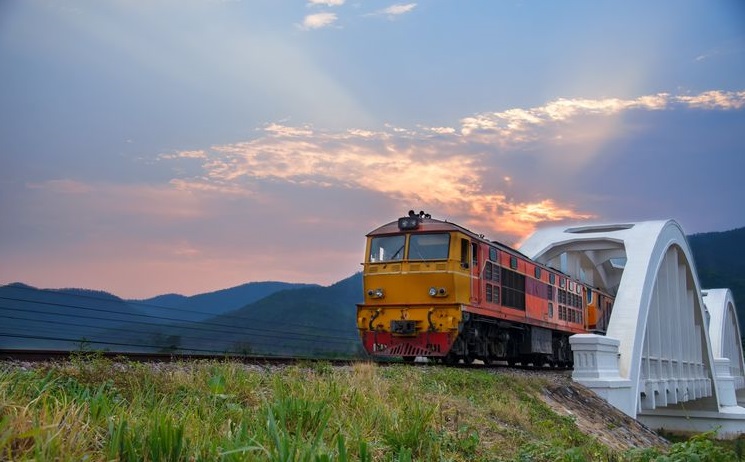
(92,408)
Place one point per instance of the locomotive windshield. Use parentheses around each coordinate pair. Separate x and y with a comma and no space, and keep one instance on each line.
(429,246)
(387,248)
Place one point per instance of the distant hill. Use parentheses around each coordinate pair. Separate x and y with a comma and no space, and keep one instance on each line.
(720,263)
(62,318)
(307,321)
(72,318)
(204,306)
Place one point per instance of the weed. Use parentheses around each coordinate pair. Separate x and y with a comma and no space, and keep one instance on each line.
(166,441)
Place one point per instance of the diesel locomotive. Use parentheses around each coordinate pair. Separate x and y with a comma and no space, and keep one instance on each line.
(435,289)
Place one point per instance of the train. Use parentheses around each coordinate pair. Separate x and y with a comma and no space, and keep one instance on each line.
(436,290)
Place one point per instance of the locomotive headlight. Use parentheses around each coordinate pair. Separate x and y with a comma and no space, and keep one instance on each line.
(438,292)
(408,223)
(375,293)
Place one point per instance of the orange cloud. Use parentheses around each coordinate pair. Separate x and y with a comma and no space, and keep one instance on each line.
(445,168)
(411,171)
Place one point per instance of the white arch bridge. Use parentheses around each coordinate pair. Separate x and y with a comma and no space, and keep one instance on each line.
(671,356)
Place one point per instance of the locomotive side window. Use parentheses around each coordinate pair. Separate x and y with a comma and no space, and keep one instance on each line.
(537,272)
(429,246)
(387,248)
(513,262)
(464,253)
(494,272)
(493,256)
(491,272)
(552,278)
(513,289)
(475,254)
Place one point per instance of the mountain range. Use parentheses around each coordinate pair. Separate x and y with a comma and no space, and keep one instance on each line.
(259,317)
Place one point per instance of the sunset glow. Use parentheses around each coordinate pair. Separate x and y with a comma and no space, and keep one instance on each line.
(229,142)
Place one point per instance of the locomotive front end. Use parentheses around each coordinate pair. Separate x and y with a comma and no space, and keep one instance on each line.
(414,286)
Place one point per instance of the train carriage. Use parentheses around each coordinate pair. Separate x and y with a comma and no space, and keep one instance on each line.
(435,289)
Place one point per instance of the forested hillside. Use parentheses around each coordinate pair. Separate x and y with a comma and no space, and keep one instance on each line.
(720,263)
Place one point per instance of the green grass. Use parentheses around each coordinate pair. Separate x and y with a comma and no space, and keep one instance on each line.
(91,408)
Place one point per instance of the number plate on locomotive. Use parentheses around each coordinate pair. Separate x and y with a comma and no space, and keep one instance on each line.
(403,327)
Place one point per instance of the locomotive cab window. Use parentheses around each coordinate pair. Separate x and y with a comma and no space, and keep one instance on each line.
(387,248)
(429,246)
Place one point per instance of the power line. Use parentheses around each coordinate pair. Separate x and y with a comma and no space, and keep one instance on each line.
(200,329)
(202,323)
(63,339)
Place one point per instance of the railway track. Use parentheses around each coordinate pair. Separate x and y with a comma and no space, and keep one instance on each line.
(53,355)
(39,356)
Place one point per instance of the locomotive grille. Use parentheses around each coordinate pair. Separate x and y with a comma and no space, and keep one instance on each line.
(404,349)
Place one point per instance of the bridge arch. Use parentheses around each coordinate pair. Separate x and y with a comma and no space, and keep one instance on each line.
(659,318)
(724,331)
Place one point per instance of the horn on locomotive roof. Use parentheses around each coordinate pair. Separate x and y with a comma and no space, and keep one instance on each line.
(421,214)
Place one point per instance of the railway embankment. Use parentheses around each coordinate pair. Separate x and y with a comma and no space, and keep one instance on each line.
(103,409)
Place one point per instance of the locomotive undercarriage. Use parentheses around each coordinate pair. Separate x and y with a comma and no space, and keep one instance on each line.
(491,340)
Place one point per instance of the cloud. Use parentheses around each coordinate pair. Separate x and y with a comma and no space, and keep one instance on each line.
(467,172)
(512,122)
(285,131)
(394,11)
(199,154)
(398,9)
(715,100)
(318,21)
(325,2)
(384,163)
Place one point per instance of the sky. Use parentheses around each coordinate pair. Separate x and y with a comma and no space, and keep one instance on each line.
(192,145)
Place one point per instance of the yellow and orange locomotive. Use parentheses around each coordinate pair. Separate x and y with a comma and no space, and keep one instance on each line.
(437,290)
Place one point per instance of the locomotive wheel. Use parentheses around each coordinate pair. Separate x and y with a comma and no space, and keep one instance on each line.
(408,359)
(450,359)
